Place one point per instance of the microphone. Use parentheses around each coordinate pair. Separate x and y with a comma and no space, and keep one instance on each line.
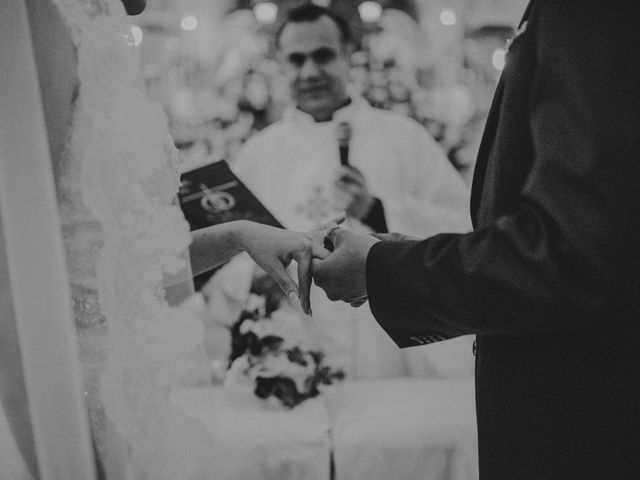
(343,134)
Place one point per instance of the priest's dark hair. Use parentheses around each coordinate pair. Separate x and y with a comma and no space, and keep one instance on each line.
(310,12)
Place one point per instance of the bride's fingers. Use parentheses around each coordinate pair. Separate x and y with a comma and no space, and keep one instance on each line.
(320,252)
(278,272)
(303,260)
(318,249)
(334,222)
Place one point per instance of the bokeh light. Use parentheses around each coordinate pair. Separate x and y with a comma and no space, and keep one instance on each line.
(189,22)
(370,12)
(136,33)
(498,58)
(448,17)
(266,12)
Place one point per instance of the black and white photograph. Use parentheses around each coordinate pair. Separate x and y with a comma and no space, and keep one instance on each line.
(319,240)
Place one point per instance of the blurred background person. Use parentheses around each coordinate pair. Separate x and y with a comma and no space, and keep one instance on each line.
(333,152)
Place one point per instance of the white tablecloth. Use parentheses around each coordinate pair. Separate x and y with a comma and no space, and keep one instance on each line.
(257,441)
(404,429)
(394,429)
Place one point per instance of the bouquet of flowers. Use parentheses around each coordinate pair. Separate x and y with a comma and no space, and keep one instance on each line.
(268,350)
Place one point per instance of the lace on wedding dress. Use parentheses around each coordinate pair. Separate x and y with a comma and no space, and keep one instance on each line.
(115,187)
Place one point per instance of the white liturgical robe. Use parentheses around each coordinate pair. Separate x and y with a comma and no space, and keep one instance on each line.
(291,166)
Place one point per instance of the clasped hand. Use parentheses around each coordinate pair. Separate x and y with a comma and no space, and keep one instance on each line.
(332,257)
(342,273)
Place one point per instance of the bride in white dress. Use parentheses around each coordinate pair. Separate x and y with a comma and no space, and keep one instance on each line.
(116,177)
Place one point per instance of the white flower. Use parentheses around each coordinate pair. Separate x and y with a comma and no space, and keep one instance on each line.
(239,373)
(288,324)
(247,326)
(279,365)
(285,323)
(255,302)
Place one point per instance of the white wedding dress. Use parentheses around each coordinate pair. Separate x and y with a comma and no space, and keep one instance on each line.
(115,184)
(121,233)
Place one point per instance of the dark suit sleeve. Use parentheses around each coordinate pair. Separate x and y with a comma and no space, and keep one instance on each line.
(566,256)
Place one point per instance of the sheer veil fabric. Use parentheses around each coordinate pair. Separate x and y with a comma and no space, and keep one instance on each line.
(115,183)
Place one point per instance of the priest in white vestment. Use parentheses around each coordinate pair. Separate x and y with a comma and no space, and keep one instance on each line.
(397,179)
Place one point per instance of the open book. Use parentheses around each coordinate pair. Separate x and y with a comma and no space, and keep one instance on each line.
(214,194)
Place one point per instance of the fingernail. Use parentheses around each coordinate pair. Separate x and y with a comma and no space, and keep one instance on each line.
(295,301)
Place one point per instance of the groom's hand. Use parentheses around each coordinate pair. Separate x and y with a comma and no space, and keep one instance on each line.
(342,275)
(394,236)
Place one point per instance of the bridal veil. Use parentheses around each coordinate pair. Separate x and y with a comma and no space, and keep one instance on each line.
(115,180)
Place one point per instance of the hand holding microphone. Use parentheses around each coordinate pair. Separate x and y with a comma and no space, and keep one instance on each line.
(343,134)
(350,182)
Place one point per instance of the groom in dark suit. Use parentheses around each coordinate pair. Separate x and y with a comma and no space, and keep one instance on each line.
(549,280)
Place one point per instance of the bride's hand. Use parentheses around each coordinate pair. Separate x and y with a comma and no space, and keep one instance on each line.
(273,249)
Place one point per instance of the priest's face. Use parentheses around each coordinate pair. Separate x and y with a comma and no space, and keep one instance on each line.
(316,65)
(134,7)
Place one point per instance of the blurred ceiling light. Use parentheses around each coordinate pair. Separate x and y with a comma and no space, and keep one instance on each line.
(370,12)
(322,3)
(447,17)
(189,22)
(498,58)
(266,12)
(137,34)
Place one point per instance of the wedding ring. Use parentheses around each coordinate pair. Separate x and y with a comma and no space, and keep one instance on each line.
(326,231)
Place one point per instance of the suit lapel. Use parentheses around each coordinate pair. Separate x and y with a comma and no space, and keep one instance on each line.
(488,138)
